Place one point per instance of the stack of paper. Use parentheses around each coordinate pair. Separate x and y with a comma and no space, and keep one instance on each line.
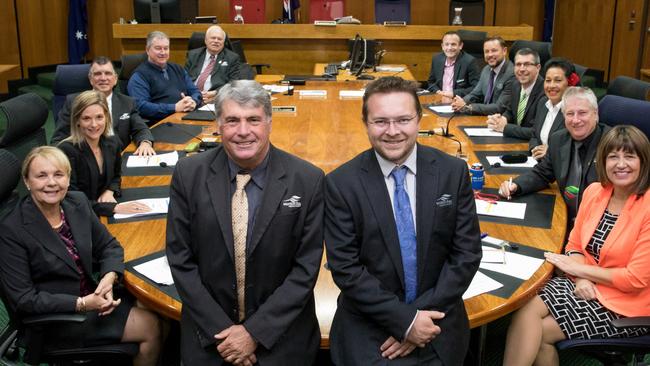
(156,270)
(157,206)
(138,161)
(515,265)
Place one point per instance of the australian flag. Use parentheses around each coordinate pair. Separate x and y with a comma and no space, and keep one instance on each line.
(77,35)
(288,10)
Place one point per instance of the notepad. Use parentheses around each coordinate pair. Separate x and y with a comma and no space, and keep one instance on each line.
(482,132)
(139,161)
(157,206)
(156,270)
(513,210)
(531,162)
(481,284)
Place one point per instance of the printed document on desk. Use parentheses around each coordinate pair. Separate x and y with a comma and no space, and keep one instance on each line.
(480,284)
(482,132)
(156,270)
(513,210)
(516,265)
(208,107)
(139,161)
(157,206)
(531,162)
(443,108)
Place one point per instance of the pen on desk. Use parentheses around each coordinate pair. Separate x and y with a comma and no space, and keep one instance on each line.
(484,235)
(509,185)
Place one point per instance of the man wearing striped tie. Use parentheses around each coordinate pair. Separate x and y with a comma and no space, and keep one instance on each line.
(519,116)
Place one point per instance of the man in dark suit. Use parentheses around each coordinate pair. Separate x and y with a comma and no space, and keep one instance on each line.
(519,116)
(493,88)
(245,241)
(453,72)
(127,123)
(402,239)
(212,66)
(570,156)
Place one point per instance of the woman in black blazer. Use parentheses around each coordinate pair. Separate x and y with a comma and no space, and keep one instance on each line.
(95,155)
(50,247)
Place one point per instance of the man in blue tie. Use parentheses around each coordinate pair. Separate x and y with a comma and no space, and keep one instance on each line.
(402,239)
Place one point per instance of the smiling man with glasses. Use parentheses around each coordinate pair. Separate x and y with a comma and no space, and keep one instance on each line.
(403,241)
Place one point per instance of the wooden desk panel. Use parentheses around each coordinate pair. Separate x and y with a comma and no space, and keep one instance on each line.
(329,132)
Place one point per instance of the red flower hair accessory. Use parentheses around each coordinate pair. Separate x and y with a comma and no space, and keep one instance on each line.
(573,79)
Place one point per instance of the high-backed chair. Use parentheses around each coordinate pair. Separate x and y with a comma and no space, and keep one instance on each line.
(473,43)
(253,11)
(628,87)
(392,10)
(544,49)
(614,110)
(326,9)
(197,40)
(473,11)
(25,114)
(68,79)
(10,168)
(129,64)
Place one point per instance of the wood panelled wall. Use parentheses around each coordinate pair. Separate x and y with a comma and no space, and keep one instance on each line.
(42,24)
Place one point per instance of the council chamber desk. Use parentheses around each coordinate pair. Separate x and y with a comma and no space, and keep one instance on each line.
(328,132)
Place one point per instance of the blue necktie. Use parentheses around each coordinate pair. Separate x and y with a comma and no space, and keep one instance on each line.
(406,233)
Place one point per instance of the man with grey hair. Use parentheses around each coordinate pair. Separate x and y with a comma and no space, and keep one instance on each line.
(159,87)
(212,66)
(245,241)
(570,155)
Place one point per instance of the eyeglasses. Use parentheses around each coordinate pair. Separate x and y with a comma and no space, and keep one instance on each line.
(525,64)
(381,123)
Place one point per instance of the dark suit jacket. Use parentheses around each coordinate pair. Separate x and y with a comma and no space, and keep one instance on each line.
(37,272)
(363,253)
(127,123)
(466,73)
(501,92)
(525,130)
(85,172)
(540,116)
(556,164)
(283,258)
(226,68)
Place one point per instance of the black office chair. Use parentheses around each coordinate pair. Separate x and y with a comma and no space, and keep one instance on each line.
(197,40)
(614,110)
(473,11)
(614,351)
(628,87)
(235,46)
(67,80)
(542,48)
(129,64)
(25,115)
(473,44)
(10,168)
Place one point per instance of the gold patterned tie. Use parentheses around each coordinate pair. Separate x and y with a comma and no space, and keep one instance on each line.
(239,230)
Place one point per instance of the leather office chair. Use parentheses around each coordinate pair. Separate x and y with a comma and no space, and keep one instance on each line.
(544,49)
(326,9)
(473,44)
(614,351)
(68,79)
(614,110)
(25,114)
(392,10)
(10,168)
(628,87)
(197,40)
(129,64)
(473,12)
(253,11)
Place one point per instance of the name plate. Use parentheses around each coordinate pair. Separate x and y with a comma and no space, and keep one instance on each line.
(284,109)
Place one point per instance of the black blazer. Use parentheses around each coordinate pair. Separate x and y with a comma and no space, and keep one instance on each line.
(540,116)
(525,131)
(226,69)
(127,123)
(37,273)
(85,172)
(283,258)
(363,253)
(466,73)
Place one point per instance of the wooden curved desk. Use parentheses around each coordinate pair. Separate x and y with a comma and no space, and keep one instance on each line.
(328,132)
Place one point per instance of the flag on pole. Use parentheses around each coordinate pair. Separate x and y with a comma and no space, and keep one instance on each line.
(77,35)
(288,9)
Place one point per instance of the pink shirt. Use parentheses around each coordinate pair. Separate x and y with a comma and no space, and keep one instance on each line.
(448,76)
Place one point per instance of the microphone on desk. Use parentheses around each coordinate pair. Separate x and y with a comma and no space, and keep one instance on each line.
(451,137)
(445,132)
(203,145)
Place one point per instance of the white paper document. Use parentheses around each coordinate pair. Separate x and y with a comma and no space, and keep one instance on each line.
(482,132)
(349,94)
(480,284)
(313,93)
(389,68)
(207,107)
(513,210)
(156,270)
(531,162)
(441,108)
(275,88)
(157,206)
(139,161)
(516,265)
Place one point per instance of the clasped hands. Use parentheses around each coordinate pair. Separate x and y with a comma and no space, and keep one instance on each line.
(102,299)
(423,331)
(186,104)
(236,346)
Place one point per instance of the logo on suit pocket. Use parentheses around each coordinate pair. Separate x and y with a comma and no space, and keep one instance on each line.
(125,116)
(293,202)
(444,200)
(500,86)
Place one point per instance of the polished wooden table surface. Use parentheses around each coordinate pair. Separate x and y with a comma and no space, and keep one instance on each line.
(328,132)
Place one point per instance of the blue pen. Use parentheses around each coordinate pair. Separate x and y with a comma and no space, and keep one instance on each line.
(484,235)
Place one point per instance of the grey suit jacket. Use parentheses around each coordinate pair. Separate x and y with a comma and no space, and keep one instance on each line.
(227,66)
(524,131)
(540,116)
(282,260)
(363,253)
(466,73)
(501,92)
(127,123)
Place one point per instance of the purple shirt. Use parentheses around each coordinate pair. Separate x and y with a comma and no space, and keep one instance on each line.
(448,76)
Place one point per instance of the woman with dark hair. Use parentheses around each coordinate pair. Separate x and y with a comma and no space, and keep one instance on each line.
(559,74)
(606,260)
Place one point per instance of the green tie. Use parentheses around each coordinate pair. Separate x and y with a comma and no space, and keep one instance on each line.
(521,108)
